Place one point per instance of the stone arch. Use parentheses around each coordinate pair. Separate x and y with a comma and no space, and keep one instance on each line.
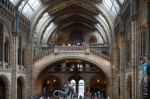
(6,88)
(20,87)
(5,33)
(41,64)
(6,26)
(129,87)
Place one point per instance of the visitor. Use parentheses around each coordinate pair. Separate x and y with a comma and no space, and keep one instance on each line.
(108,97)
(35,97)
(80,97)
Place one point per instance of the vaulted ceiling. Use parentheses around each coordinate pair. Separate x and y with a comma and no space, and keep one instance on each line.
(56,20)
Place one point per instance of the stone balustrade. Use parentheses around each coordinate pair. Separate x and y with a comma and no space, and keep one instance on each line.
(97,53)
(43,53)
(70,49)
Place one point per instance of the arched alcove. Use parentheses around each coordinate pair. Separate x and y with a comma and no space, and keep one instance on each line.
(4,87)
(1,41)
(7,50)
(20,88)
(129,87)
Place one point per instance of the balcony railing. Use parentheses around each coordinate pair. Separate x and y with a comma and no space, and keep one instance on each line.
(97,53)
(70,49)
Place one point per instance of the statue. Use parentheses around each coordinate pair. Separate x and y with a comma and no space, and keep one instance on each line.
(67,93)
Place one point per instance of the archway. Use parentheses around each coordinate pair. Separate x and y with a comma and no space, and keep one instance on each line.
(69,69)
(4,88)
(1,41)
(129,87)
(20,88)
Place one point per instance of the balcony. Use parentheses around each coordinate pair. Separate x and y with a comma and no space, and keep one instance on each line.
(71,50)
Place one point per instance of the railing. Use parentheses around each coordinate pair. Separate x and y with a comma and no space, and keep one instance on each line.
(43,53)
(70,49)
(97,53)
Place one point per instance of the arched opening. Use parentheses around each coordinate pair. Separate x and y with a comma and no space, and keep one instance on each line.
(73,83)
(20,51)
(20,88)
(119,86)
(81,87)
(1,41)
(7,52)
(23,57)
(78,72)
(129,87)
(4,88)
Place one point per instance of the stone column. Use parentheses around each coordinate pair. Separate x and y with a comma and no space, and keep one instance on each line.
(134,56)
(122,66)
(115,69)
(14,67)
(87,67)
(63,65)
(28,90)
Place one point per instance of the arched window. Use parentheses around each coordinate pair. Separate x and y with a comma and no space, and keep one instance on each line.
(1,41)
(81,87)
(19,89)
(73,83)
(19,50)
(129,87)
(23,57)
(7,50)
(2,89)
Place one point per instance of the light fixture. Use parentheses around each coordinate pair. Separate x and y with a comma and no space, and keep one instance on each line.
(48,82)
